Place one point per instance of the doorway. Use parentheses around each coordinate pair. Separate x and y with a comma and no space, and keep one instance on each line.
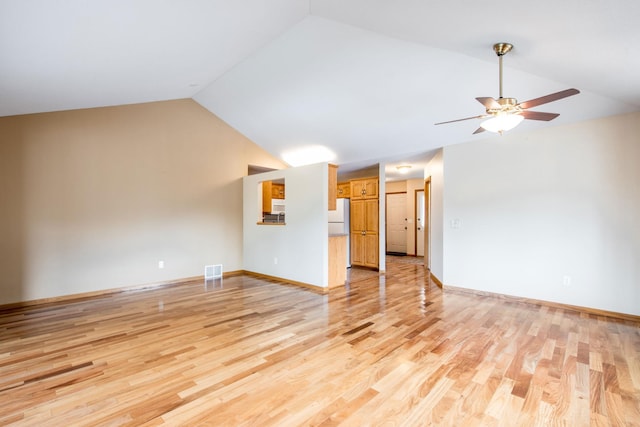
(423,222)
(396,226)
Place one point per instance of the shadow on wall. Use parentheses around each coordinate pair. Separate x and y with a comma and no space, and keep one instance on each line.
(12,212)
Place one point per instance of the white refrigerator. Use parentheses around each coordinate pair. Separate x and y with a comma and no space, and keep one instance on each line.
(339,223)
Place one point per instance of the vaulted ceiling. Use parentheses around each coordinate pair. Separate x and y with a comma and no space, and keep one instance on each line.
(366,79)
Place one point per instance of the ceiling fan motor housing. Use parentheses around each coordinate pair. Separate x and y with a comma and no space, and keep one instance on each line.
(506,105)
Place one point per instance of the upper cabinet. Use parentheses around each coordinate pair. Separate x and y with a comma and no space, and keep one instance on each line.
(333,184)
(344,190)
(277,191)
(364,188)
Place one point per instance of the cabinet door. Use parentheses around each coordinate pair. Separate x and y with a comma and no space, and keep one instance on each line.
(370,216)
(371,250)
(357,190)
(277,191)
(344,190)
(371,188)
(358,216)
(357,248)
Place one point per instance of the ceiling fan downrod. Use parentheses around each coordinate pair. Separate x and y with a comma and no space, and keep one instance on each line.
(501,49)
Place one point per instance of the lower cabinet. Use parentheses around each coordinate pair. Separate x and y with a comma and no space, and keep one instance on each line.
(364,233)
(364,249)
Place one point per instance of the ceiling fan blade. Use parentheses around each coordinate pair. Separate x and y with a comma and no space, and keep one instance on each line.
(488,102)
(460,120)
(548,98)
(538,115)
(479,130)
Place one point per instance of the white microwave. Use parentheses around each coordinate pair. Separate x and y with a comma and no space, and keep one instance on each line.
(277,206)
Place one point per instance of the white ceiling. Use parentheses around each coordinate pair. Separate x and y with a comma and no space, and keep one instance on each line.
(365,78)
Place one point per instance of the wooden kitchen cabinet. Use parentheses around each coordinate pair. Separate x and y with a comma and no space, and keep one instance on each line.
(277,191)
(364,233)
(344,190)
(364,189)
(333,186)
(364,250)
(266,196)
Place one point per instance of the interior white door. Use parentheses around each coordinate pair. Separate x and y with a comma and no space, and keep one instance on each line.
(420,222)
(397,223)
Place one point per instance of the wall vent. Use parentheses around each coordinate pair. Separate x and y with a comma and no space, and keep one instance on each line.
(213,271)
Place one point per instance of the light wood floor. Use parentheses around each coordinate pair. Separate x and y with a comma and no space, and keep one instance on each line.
(390,350)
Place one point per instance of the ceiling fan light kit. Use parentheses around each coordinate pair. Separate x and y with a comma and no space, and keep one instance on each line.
(504,114)
(502,122)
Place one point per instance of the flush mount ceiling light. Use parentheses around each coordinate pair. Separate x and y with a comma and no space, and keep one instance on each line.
(506,113)
(403,168)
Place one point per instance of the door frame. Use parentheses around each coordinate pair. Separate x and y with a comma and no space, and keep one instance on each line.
(427,223)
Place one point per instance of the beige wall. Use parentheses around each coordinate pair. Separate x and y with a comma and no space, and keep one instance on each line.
(372,171)
(396,187)
(93,199)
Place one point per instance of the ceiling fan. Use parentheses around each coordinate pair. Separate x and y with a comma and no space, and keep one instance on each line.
(506,113)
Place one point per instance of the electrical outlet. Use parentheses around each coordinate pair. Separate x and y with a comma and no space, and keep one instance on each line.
(566,280)
(275,260)
(160,264)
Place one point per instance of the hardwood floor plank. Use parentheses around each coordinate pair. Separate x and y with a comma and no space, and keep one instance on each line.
(392,349)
